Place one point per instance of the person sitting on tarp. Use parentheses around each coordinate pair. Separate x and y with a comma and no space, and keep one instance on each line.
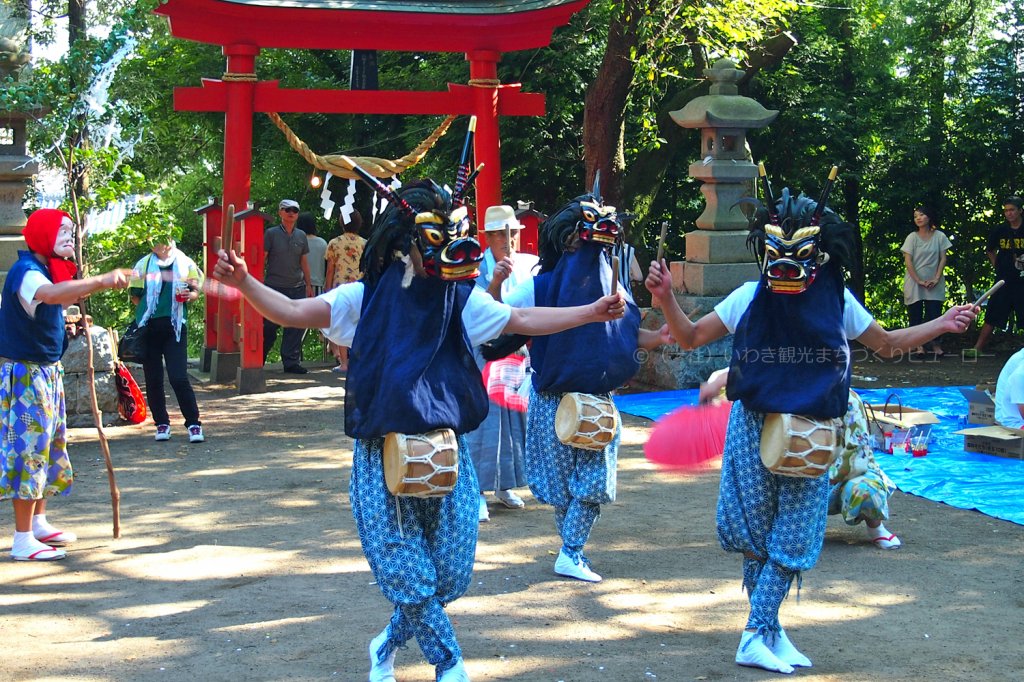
(1010,392)
(858,488)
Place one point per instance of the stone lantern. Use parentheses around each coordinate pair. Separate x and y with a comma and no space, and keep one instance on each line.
(16,167)
(717,259)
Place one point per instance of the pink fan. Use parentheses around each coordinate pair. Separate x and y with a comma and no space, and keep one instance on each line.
(689,438)
(504,379)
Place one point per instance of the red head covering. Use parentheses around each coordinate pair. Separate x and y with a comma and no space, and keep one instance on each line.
(40,235)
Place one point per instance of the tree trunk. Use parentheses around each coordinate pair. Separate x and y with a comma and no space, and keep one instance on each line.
(605,105)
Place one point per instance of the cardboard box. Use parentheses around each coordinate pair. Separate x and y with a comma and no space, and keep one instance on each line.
(980,407)
(902,422)
(994,440)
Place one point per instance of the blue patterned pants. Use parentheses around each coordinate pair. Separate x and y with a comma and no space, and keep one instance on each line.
(776,522)
(576,482)
(422,564)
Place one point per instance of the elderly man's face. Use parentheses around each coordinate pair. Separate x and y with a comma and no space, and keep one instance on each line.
(498,245)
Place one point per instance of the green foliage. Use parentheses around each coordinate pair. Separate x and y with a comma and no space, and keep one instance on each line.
(918,101)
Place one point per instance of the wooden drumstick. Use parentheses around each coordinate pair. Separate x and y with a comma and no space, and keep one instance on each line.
(227,230)
(615,274)
(661,240)
(985,296)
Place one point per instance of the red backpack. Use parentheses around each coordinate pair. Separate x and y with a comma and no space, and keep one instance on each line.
(131,404)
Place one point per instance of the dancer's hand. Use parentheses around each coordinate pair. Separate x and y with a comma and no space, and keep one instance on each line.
(610,307)
(958,318)
(502,270)
(659,280)
(230,269)
(116,279)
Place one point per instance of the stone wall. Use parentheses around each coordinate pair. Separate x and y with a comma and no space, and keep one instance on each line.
(76,379)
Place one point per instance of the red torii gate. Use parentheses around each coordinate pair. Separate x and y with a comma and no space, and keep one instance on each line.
(482,29)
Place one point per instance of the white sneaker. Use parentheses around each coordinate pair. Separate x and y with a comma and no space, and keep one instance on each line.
(163,432)
(564,565)
(456,673)
(485,515)
(509,499)
(381,671)
(195,434)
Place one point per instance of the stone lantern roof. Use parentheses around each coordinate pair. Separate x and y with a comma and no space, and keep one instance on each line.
(724,107)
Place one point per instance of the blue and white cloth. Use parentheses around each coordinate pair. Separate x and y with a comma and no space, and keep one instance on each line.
(422,559)
(575,481)
(776,522)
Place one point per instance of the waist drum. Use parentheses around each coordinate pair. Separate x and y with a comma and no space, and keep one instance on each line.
(587,421)
(799,446)
(421,465)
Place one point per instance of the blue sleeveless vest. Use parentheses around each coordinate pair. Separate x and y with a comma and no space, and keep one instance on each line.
(790,352)
(597,357)
(411,367)
(38,339)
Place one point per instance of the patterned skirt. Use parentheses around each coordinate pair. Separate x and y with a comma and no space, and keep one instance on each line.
(33,432)
(863,498)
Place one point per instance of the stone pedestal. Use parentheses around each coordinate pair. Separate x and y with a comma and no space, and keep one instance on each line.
(251,380)
(224,367)
(76,379)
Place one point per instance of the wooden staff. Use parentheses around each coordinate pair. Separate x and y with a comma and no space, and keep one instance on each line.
(985,296)
(615,274)
(661,240)
(115,492)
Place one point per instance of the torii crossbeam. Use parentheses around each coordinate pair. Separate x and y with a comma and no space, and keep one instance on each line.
(482,29)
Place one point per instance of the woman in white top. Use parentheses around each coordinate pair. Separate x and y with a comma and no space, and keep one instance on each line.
(924,287)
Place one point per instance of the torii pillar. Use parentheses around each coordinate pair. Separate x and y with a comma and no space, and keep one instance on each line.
(239,85)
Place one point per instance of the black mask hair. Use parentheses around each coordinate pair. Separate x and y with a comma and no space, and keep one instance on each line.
(393,230)
(558,232)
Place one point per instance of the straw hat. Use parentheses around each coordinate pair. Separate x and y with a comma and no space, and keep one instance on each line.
(497,217)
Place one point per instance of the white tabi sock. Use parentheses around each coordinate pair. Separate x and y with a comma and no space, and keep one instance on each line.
(381,671)
(754,653)
(41,527)
(784,650)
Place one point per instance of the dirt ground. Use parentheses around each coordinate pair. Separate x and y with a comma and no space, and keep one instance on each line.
(239,560)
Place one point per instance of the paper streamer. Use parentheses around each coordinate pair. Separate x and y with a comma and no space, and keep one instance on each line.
(325,198)
(348,206)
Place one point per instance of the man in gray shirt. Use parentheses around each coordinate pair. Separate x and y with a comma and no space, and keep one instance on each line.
(286,270)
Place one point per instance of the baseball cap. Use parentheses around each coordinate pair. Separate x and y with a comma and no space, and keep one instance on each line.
(288,203)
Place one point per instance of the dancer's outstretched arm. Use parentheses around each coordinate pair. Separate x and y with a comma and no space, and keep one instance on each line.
(687,334)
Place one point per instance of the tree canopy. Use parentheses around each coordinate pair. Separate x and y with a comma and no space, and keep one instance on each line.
(918,101)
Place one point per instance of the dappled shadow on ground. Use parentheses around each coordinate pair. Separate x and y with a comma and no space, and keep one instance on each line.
(239,560)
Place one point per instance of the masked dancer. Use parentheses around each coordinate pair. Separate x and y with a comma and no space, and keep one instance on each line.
(411,324)
(582,367)
(791,356)
(34,463)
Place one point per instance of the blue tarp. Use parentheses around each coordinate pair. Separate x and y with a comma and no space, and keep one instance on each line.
(991,485)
